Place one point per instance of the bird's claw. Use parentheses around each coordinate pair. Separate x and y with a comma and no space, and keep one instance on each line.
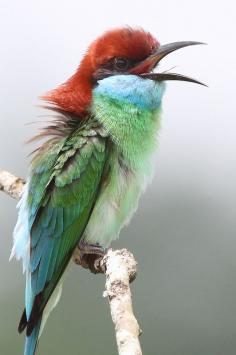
(90,257)
(99,266)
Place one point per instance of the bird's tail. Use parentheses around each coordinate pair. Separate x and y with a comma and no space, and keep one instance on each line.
(31,341)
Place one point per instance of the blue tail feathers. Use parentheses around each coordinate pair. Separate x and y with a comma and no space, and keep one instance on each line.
(32,340)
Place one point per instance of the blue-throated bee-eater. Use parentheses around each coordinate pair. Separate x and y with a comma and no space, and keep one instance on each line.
(85,181)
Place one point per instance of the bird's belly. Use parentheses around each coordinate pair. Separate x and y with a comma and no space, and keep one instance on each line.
(114,207)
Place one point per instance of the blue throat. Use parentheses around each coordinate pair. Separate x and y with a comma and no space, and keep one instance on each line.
(144,93)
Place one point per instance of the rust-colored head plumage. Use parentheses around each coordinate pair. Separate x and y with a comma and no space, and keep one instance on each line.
(134,44)
(75,95)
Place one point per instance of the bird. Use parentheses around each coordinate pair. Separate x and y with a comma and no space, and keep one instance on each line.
(86,178)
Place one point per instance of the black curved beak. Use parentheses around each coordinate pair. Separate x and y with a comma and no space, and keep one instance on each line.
(145,67)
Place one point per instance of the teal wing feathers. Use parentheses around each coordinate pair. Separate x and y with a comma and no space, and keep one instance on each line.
(65,180)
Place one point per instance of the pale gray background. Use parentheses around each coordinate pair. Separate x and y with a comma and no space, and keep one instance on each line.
(184,232)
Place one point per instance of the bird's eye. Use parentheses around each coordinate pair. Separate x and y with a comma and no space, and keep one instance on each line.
(120,63)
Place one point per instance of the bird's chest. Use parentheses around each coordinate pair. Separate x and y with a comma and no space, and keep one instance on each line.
(116,203)
(132,125)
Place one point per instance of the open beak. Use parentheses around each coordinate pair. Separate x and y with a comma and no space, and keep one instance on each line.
(144,68)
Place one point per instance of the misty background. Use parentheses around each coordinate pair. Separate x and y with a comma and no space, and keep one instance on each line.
(183,234)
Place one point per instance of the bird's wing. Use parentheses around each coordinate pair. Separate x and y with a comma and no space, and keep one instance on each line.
(63,188)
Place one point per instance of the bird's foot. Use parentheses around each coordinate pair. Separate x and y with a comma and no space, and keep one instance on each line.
(90,257)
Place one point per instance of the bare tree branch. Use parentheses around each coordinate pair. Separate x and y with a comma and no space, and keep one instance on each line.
(119,267)
(10,184)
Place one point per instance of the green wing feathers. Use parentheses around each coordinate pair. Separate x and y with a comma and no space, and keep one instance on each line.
(65,181)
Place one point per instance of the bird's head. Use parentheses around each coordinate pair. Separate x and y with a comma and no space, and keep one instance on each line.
(123,51)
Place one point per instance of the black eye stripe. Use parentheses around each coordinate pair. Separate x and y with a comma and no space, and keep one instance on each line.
(113,66)
(118,64)
(121,63)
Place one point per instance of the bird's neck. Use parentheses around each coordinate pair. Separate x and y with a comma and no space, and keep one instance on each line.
(129,110)
(75,95)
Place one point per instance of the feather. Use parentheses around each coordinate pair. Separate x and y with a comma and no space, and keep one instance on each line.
(57,203)
(32,340)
